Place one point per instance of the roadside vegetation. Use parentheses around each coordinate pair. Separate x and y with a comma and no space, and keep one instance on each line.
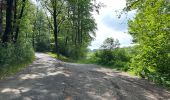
(14,58)
(122,59)
(150,29)
(60,57)
(149,58)
(110,55)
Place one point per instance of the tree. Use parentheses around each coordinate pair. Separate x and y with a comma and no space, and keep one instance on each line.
(41,35)
(150,29)
(15,32)
(1,16)
(19,19)
(8,28)
(72,25)
(110,44)
(80,27)
(14,13)
(55,8)
(111,55)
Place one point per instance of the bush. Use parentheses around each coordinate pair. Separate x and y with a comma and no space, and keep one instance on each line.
(72,51)
(104,57)
(152,63)
(13,57)
(42,44)
(117,58)
(60,57)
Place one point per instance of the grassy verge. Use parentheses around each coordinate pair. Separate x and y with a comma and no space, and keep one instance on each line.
(60,57)
(84,61)
(15,67)
(121,66)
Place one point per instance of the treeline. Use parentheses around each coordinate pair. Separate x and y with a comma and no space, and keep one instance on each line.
(70,24)
(65,27)
(111,55)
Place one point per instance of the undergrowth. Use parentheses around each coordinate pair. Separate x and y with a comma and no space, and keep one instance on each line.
(60,57)
(14,57)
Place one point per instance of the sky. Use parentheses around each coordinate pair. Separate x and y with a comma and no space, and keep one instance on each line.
(109,25)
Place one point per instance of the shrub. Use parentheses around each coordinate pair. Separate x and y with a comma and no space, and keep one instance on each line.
(14,57)
(117,58)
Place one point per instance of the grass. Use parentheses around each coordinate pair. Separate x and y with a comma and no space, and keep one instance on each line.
(89,54)
(60,57)
(84,61)
(89,60)
(13,68)
(131,73)
(52,54)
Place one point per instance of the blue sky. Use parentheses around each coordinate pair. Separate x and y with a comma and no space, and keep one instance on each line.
(109,25)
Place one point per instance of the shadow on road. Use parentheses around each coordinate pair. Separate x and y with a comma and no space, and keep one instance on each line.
(49,79)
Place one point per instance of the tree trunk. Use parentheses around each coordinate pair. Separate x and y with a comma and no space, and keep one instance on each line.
(66,39)
(81,33)
(8,28)
(1,17)
(19,18)
(55,29)
(78,24)
(15,18)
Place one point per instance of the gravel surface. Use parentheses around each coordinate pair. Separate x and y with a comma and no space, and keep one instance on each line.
(51,79)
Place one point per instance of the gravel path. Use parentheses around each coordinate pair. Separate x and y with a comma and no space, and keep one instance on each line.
(50,79)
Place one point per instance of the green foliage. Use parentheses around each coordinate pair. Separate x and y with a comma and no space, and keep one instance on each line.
(110,44)
(117,58)
(40,35)
(16,50)
(72,51)
(42,44)
(14,57)
(72,25)
(111,55)
(60,57)
(104,57)
(150,29)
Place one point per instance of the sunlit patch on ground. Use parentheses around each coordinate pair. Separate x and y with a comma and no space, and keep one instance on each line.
(45,80)
(16,91)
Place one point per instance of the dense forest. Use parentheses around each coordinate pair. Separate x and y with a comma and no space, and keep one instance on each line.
(67,27)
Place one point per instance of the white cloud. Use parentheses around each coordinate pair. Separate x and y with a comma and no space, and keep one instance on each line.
(33,1)
(104,30)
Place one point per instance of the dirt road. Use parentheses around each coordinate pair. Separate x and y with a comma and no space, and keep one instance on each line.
(50,79)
